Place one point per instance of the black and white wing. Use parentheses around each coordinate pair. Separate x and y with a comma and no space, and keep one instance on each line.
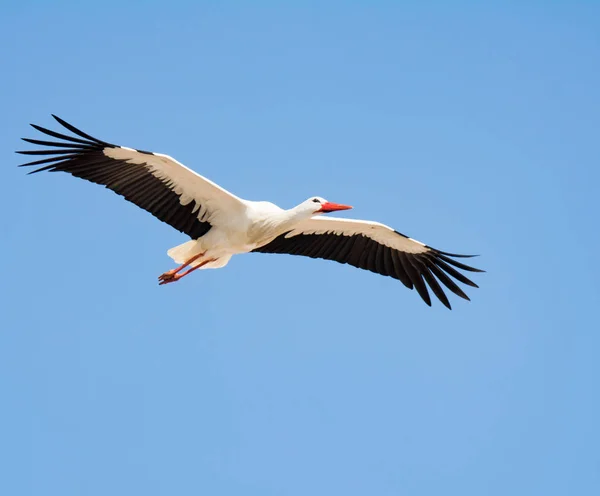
(155,182)
(378,248)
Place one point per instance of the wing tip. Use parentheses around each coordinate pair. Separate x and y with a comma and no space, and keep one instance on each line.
(448,254)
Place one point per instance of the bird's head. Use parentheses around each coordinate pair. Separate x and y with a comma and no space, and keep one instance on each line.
(318,205)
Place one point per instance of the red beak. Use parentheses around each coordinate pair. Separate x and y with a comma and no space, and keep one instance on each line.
(332,207)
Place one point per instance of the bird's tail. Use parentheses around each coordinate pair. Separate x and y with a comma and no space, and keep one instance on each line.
(185,251)
(182,253)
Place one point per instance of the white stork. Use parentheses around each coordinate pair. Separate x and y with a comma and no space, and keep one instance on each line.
(221,225)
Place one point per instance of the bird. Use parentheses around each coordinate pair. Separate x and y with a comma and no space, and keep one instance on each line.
(221,224)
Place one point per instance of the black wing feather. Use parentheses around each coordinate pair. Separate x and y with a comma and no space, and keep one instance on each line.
(84,157)
(414,270)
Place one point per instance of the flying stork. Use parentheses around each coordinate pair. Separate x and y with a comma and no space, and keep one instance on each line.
(221,224)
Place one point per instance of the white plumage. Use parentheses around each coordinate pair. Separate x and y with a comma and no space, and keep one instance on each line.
(222,225)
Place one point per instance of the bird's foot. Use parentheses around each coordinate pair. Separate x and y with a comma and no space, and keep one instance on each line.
(167,277)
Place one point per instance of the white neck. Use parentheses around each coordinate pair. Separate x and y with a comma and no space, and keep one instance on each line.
(289,218)
(273,224)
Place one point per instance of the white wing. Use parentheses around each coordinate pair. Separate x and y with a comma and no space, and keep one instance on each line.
(153,181)
(378,232)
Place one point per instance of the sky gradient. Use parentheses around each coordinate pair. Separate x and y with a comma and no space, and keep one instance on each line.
(472,129)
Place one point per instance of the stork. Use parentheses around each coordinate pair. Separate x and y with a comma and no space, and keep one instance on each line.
(221,225)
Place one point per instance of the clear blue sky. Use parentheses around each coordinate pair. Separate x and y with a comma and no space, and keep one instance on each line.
(471,128)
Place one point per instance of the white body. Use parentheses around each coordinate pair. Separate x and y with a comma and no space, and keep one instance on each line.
(257,224)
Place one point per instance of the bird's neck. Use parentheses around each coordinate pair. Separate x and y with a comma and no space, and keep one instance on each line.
(287,219)
(299,213)
(270,224)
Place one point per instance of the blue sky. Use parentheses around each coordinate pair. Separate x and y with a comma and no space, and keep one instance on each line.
(471,128)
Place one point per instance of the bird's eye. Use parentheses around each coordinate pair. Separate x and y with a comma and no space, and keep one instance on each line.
(316,200)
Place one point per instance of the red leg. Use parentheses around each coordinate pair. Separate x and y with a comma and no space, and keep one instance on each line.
(176,277)
(169,274)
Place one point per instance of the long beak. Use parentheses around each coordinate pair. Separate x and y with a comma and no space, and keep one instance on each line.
(332,207)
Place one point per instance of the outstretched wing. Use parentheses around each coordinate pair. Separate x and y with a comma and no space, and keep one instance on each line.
(155,182)
(378,248)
